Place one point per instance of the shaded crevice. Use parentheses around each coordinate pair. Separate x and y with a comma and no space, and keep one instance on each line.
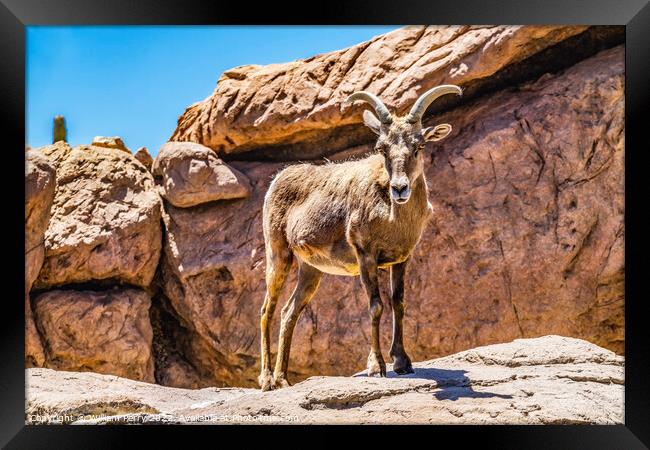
(550,60)
(507,282)
(508,286)
(107,284)
(320,144)
(171,335)
(593,379)
(169,338)
(534,144)
(584,242)
(357,400)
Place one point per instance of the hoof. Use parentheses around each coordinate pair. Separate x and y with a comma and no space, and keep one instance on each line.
(404,370)
(265,380)
(402,365)
(280,382)
(376,365)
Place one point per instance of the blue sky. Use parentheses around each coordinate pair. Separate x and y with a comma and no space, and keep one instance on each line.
(134,81)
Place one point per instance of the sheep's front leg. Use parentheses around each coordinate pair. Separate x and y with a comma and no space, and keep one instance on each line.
(368,272)
(401,361)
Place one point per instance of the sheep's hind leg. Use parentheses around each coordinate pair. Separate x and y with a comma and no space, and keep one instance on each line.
(401,361)
(278,264)
(308,281)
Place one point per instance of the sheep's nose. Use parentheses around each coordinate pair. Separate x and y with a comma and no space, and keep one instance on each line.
(400,186)
(400,190)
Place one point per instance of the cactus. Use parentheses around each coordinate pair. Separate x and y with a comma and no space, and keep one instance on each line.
(60,133)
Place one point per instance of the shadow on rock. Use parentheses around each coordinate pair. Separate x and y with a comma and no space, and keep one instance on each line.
(452,384)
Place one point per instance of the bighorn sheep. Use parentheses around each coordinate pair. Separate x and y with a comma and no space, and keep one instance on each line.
(349,218)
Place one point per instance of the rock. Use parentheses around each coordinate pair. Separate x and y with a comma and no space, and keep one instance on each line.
(40,184)
(299,102)
(100,331)
(548,380)
(56,153)
(192,174)
(179,373)
(34,353)
(105,221)
(527,239)
(110,142)
(528,199)
(144,157)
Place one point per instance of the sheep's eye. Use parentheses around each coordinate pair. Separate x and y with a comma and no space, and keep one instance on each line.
(419,147)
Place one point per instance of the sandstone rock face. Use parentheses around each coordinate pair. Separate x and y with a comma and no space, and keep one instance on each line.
(299,102)
(115,142)
(527,240)
(105,221)
(144,157)
(192,174)
(34,353)
(40,184)
(528,196)
(549,380)
(105,332)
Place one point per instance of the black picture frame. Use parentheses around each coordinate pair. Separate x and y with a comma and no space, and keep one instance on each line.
(15,15)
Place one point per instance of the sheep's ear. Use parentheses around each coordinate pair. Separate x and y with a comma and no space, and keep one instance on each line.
(432,134)
(371,121)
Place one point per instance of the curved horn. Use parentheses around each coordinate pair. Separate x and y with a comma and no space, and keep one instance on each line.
(379,107)
(428,97)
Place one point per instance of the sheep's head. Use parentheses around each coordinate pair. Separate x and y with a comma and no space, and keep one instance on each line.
(401,139)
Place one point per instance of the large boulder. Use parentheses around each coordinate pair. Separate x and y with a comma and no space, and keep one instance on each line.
(105,221)
(100,331)
(299,102)
(40,184)
(191,174)
(550,380)
(527,240)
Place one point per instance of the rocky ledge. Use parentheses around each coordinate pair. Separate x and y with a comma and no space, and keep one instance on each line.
(546,380)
